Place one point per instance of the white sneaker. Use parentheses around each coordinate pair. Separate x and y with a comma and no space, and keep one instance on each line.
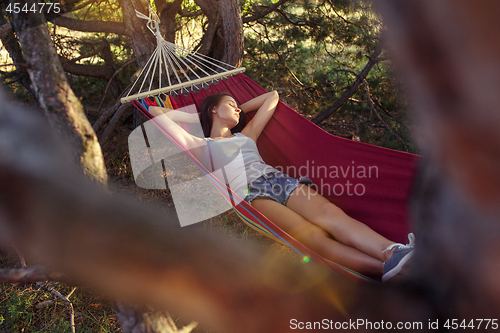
(401,255)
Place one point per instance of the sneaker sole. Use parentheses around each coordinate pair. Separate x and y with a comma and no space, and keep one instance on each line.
(399,267)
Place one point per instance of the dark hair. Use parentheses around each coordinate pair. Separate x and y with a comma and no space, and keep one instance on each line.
(206,116)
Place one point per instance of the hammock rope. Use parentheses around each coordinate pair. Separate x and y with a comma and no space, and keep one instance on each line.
(182,68)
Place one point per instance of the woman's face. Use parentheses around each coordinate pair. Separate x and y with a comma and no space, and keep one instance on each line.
(228,111)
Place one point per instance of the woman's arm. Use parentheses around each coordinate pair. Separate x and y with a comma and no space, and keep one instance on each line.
(175,115)
(256,103)
(265,105)
(167,120)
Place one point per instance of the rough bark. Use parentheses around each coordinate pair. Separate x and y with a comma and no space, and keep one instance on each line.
(67,115)
(5,29)
(106,71)
(449,53)
(143,41)
(98,71)
(232,29)
(11,44)
(62,108)
(212,12)
(373,60)
(118,28)
(167,12)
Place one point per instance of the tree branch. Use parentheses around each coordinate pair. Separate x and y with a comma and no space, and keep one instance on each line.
(109,82)
(345,97)
(99,71)
(103,118)
(91,26)
(185,13)
(11,44)
(232,28)
(121,113)
(52,291)
(30,274)
(260,14)
(297,23)
(279,56)
(91,54)
(374,109)
(332,6)
(83,5)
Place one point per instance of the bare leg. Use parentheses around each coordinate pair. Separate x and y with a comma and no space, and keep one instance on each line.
(315,208)
(317,239)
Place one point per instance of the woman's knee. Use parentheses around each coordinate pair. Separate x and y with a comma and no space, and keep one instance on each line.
(337,222)
(311,234)
(318,233)
(327,212)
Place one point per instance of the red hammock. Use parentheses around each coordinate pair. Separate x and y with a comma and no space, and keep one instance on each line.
(370,183)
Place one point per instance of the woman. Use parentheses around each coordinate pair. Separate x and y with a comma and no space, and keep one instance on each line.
(289,203)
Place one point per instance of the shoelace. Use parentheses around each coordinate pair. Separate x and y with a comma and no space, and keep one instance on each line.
(411,238)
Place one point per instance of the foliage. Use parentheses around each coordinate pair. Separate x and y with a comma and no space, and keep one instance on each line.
(190,30)
(108,10)
(313,52)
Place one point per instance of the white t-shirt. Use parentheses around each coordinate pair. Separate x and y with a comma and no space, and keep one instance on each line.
(236,161)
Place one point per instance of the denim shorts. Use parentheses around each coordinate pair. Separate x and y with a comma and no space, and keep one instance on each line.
(275,186)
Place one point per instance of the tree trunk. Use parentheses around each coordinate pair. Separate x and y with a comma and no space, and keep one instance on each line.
(232,28)
(62,108)
(167,12)
(11,44)
(143,41)
(212,12)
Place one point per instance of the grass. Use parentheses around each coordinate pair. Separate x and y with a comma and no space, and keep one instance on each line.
(29,308)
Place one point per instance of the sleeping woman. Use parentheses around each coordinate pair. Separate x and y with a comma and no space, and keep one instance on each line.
(291,204)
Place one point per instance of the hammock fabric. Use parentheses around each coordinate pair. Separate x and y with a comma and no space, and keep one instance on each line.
(370,183)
